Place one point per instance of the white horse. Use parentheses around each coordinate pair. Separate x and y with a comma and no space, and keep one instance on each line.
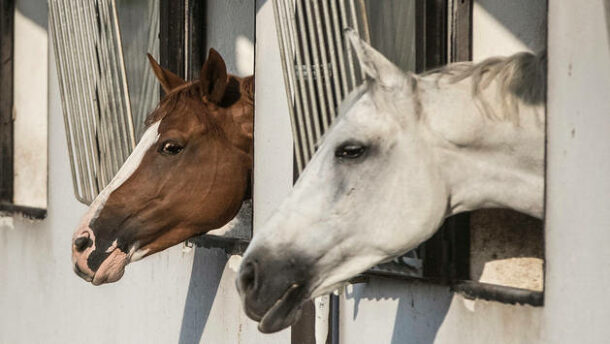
(406,152)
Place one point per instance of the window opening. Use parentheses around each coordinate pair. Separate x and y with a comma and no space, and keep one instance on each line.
(416,36)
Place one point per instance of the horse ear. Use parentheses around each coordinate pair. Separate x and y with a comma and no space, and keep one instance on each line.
(373,63)
(168,80)
(213,77)
(247,87)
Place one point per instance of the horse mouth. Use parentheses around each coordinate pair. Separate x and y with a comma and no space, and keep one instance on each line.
(112,268)
(285,311)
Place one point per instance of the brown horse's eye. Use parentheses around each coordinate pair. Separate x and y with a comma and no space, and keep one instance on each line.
(170,148)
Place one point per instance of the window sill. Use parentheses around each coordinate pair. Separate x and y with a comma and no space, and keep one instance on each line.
(28,212)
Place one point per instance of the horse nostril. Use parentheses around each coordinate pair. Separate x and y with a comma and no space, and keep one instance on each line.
(247,277)
(82,243)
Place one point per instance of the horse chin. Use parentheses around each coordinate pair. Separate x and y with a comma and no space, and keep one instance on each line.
(112,268)
(285,311)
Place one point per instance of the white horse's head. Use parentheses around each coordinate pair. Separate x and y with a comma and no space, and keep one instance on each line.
(406,152)
(371,192)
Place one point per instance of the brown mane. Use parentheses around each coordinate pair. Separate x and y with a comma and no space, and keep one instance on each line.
(192,89)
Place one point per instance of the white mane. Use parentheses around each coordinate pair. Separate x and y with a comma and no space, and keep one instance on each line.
(518,78)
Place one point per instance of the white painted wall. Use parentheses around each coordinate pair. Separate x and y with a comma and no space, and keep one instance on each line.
(272,133)
(175,296)
(578,173)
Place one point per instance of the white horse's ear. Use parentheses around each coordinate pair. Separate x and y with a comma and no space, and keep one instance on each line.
(374,64)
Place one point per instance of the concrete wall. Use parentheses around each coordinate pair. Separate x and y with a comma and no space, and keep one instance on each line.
(578,173)
(577,217)
(177,296)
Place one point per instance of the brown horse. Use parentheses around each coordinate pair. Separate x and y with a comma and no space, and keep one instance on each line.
(188,174)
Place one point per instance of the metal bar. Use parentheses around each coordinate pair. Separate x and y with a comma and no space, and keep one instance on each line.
(312,132)
(121,65)
(313,46)
(140,112)
(102,103)
(329,92)
(289,79)
(113,77)
(347,48)
(338,43)
(99,124)
(301,90)
(91,110)
(63,92)
(75,124)
(334,319)
(357,29)
(492,292)
(333,55)
(112,105)
(82,74)
(365,21)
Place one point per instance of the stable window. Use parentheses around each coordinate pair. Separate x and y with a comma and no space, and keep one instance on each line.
(23,122)
(108,87)
(489,254)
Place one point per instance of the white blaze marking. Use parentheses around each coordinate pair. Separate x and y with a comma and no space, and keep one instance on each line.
(150,137)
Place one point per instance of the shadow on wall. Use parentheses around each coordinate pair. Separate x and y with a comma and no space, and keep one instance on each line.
(522,18)
(208,266)
(32,10)
(418,316)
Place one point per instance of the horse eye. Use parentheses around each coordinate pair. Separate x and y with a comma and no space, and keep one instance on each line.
(350,151)
(170,148)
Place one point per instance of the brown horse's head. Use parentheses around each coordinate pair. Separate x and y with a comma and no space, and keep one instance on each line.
(188,174)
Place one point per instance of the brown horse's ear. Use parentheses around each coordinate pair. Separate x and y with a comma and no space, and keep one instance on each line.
(213,78)
(168,80)
(247,87)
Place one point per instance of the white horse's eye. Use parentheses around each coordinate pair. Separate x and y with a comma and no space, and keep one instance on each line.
(350,150)
(171,148)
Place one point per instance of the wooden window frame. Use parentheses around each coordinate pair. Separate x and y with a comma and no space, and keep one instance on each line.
(7,128)
(7,15)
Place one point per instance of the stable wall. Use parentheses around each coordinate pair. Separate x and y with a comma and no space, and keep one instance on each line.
(176,296)
(577,274)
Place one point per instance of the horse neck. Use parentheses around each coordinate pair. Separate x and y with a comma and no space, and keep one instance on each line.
(487,162)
